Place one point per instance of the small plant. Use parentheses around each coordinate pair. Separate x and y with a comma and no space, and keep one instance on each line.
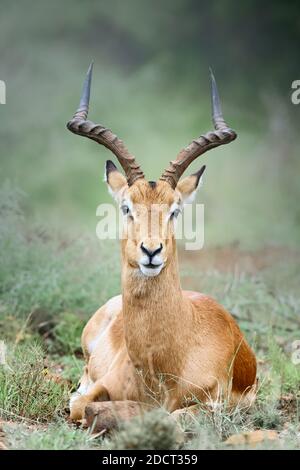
(203,437)
(28,389)
(282,365)
(221,419)
(154,430)
(267,416)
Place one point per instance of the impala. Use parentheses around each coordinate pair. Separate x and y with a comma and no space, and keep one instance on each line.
(156,343)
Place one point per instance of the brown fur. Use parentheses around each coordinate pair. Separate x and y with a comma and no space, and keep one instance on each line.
(157,343)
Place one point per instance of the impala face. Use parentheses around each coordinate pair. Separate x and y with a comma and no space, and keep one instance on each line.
(149,211)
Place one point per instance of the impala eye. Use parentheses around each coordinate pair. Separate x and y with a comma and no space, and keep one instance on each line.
(175,213)
(125,209)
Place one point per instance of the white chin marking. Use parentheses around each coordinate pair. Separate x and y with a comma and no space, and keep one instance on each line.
(150,272)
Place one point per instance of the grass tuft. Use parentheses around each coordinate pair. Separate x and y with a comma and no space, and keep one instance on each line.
(28,389)
(56,436)
(152,431)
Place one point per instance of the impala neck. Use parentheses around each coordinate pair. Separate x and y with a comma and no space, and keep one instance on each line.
(153,310)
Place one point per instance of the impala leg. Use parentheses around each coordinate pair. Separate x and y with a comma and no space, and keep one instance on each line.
(86,393)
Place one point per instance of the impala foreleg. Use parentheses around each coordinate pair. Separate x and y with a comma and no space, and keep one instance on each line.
(86,394)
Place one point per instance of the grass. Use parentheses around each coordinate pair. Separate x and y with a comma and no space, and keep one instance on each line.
(155,430)
(43,275)
(284,368)
(57,436)
(28,388)
(50,285)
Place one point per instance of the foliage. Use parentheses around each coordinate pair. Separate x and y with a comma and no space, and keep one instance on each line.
(72,368)
(288,372)
(43,275)
(28,389)
(154,430)
(57,436)
(67,333)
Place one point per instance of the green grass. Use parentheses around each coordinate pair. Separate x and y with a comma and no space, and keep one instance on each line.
(28,389)
(43,274)
(57,436)
(67,332)
(154,430)
(284,368)
(71,368)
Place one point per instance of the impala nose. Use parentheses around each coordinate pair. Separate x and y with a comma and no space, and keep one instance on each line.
(151,253)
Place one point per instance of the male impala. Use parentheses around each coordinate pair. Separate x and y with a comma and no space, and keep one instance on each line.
(156,342)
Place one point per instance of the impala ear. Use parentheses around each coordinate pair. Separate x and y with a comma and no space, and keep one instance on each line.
(116,182)
(189,185)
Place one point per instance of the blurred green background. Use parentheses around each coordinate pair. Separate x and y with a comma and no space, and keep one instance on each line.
(151,86)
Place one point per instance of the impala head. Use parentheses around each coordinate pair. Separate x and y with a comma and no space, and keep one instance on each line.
(150,208)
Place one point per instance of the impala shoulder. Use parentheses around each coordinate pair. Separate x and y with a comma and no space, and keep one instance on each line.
(99,322)
(208,308)
(105,313)
(113,305)
(196,297)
